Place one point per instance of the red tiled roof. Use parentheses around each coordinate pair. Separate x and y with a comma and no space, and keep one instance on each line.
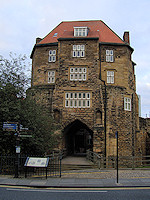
(96,29)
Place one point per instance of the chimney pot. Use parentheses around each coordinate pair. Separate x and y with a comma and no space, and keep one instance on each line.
(126,37)
(38,40)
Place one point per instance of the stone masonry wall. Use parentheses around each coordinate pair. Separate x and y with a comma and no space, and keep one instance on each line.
(52,96)
(92,84)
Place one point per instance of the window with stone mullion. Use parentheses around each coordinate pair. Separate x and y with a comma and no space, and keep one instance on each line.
(51,77)
(110,76)
(78,51)
(127,104)
(52,56)
(78,73)
(109,56)
(77,100)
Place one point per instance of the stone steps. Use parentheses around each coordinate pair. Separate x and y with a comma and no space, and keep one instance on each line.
(70,167)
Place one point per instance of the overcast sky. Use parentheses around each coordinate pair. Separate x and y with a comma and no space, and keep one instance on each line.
(21,21)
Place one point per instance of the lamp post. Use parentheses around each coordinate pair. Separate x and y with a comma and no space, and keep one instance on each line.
(17,152)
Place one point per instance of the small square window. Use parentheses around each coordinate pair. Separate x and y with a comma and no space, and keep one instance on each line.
(67,95)
(71,103)
(79,95)
(84,70)
(75,103)
(107,52)
(51,76)
(110,76)
(79,103)
(50,52)
(78,47)
(80,70)
(109,56)
(53,80)
(76,70)
(88,103)
(88,95)
(71,95)
(75,95)
(111,52)
(66,103)
(84,103)
(49,73)
(76,77)
(54,52)
(78,53)
(74,47)
(84,77)
(71,70)
(82,53)
(127,104)
(52,56)
(74,53)
(71,77)
(80,77)
(82,47)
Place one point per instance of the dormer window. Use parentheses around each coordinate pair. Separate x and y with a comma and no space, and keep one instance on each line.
(80,31)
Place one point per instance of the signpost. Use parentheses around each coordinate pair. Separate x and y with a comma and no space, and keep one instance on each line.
(10,126)
(23,128)
(116,134)
(17,155)
(15,126)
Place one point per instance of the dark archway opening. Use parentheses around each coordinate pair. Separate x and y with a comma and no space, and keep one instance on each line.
(78,138)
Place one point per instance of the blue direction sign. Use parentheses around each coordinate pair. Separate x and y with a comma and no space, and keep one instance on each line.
(10,126)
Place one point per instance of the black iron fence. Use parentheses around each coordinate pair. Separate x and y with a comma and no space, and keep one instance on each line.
(7,166)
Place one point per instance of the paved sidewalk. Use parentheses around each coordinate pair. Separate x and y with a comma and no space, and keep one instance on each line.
(93,179)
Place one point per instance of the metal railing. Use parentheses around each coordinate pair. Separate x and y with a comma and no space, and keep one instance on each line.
(7,166)
(132,162)
(95,158)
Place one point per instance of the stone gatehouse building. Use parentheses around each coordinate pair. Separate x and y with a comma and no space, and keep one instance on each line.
(83,74)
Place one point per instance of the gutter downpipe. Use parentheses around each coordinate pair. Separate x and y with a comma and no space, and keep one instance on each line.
(105,106)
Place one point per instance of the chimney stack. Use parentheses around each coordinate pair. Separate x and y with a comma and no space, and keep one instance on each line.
(38,40)
(126,37)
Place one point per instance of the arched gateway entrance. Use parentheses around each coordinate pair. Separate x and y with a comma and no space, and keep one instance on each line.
(78,138)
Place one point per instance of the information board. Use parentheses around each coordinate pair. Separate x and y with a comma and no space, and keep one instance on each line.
(36,162)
